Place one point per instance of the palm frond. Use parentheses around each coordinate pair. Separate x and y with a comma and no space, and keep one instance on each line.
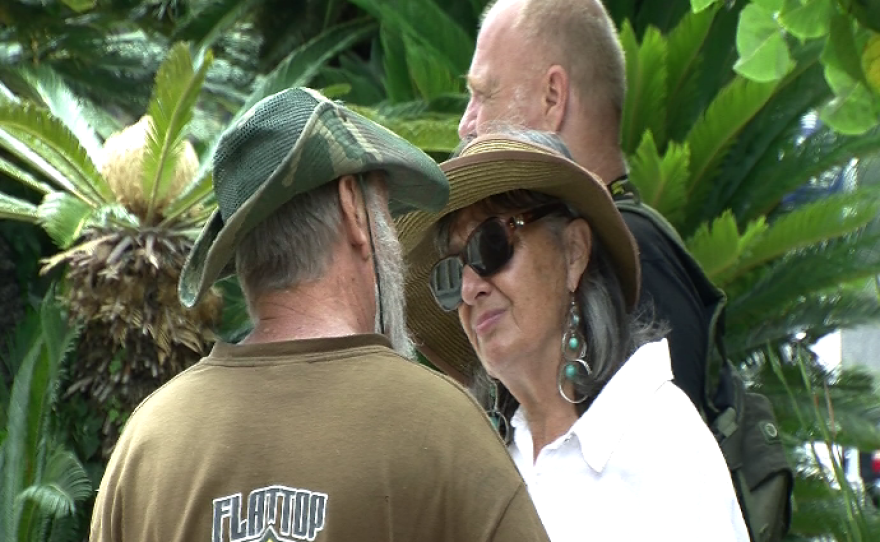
(646,76)
(424,20)
(63,217)
(17,209)
(807,225)
(25,417)
(799,162)
(713,134)
(660,181)
(814,313)
(177,88)
(64,484)
(431,133)
(30,132)
(297,69)
(207,21)
(685,95)
(64,105)
(715,246)
(429,79)
(742,180)
(11,170)
(398,85)
(780,283)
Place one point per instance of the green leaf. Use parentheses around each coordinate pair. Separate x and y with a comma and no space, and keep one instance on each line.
(44,142)
(431,133)
(685,94)
(807,19)
(64,483)
(853,110)
(449,44)
(661,181)
(64,105)
(13,171)
(80,6)
(398,85)
(714,133)
(646,76)
(699,5)
(431,80)
(772,6)
(760,42)
(207,21)
(840,49)
(196,195)
(171,107)
(716,247)
(807,225)
(63,217)
(16,209)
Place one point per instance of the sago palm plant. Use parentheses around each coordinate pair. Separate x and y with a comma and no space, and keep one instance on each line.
(123,214)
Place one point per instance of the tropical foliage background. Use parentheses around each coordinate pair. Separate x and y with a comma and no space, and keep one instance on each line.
(751,124)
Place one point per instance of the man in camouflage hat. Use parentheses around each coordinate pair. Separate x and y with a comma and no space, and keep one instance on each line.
(314,427)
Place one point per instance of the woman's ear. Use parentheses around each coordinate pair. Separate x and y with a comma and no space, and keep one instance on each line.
(578,239)
(354,216)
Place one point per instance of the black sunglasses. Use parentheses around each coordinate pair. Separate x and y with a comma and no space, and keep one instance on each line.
(487,250)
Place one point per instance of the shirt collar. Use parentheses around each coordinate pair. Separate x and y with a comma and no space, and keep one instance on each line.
(621,401)
(599,430)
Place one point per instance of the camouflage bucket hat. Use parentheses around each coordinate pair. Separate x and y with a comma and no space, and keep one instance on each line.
(288,144)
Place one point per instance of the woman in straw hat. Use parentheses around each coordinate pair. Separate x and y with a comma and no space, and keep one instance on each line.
(524,287)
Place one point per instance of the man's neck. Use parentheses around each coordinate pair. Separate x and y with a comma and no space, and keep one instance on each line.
(332,306)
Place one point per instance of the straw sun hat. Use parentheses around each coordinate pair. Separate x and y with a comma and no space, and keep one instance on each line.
(487,166)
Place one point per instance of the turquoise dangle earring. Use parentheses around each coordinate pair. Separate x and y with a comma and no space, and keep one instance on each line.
(574,349)
(496,416)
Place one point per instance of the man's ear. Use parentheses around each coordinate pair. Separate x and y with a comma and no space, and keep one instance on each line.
(578,239)
(555,100)
(354,216)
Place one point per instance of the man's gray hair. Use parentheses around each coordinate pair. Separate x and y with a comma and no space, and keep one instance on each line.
(580,36)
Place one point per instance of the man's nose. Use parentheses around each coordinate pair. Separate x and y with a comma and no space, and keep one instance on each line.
(467,125)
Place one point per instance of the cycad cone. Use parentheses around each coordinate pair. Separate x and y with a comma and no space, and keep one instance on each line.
(122,159)
(871,62)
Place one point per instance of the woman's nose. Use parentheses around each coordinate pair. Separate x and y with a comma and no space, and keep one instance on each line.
(472,285)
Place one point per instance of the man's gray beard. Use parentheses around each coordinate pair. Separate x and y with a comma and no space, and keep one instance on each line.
(392,302)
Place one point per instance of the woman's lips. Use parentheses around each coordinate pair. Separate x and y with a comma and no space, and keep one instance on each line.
(486,320)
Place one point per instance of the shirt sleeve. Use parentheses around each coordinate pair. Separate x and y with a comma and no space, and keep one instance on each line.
(519,522)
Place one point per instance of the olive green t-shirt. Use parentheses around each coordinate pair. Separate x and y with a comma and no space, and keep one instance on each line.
(320,440)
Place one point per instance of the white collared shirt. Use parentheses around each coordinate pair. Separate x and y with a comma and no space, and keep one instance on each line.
(639,465)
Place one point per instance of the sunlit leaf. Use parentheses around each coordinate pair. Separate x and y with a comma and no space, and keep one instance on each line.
(760,42)
(807,19)
(853,110)
(16,209)
(716,246)
(646,76)
(699,5)
(171,107)
(661,181)
(63,217)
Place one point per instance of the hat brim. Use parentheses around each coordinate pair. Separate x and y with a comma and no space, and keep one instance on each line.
(474,177)
(413,179)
